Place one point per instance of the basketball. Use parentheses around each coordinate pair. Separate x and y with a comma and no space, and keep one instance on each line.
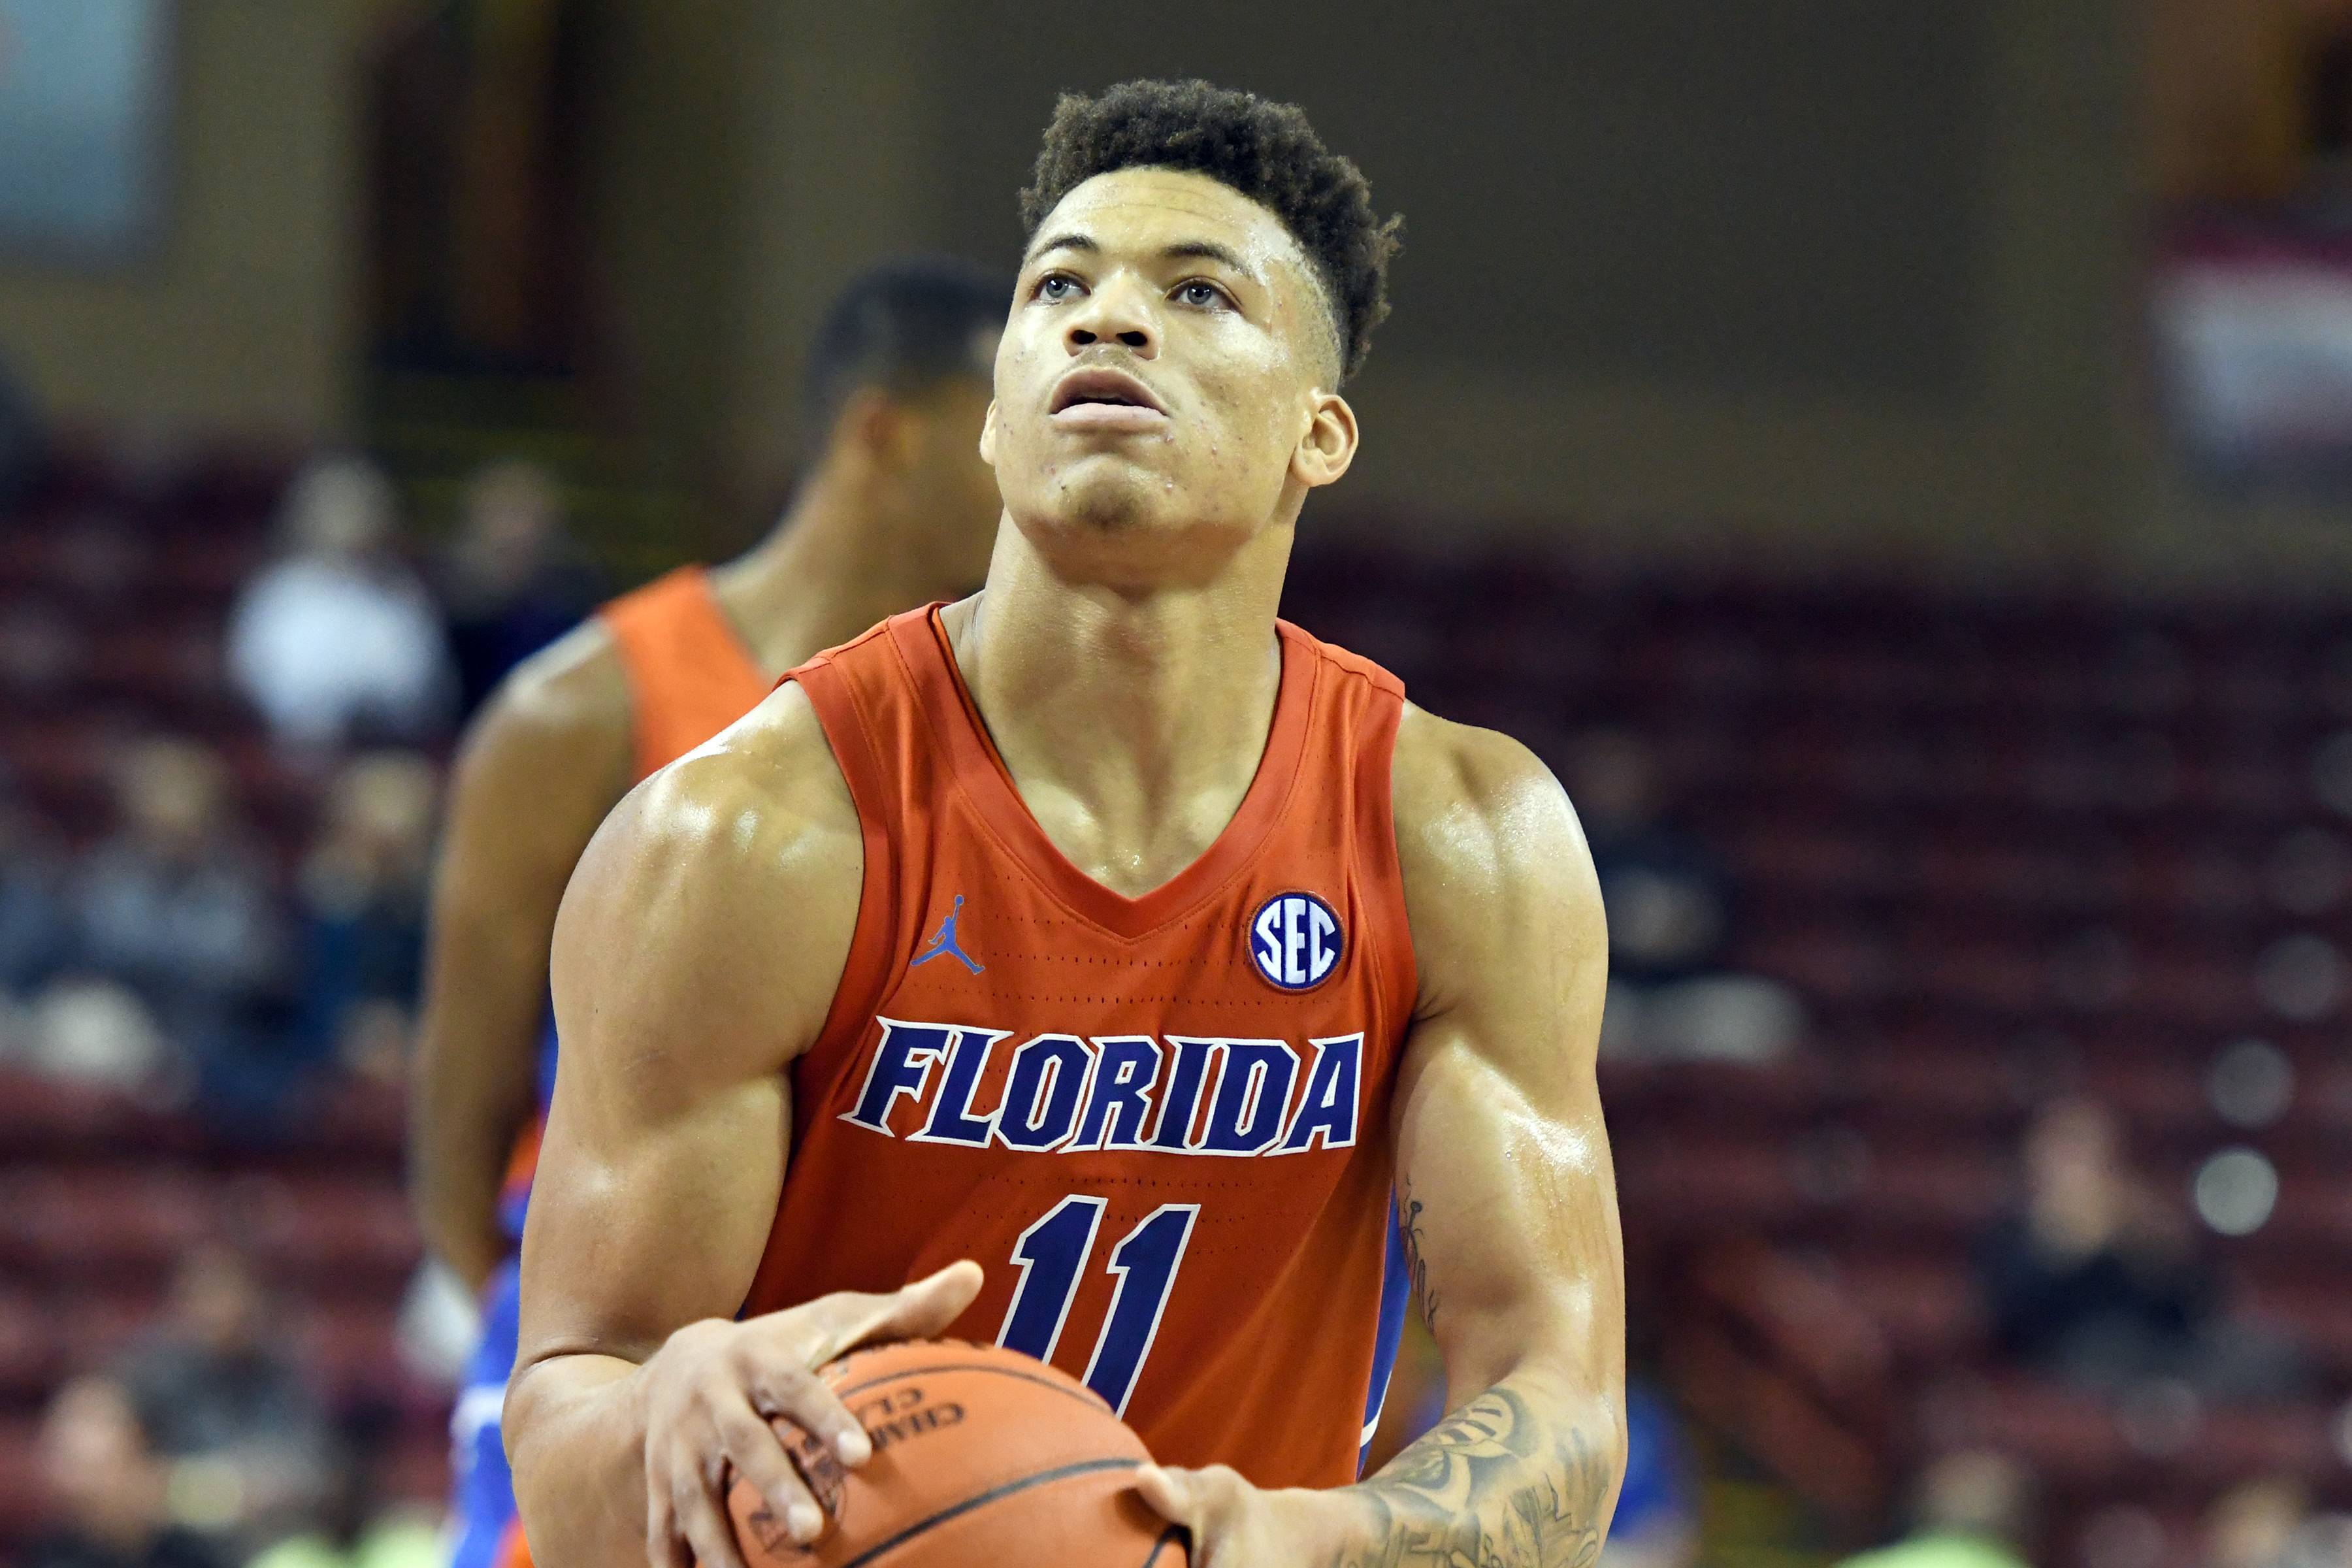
(980,1455)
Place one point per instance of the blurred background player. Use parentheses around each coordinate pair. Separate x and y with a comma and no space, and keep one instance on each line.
(896,509)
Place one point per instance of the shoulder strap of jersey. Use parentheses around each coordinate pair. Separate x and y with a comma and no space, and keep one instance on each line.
(1367,710)
(685,663)
(1353,663)
(863,703)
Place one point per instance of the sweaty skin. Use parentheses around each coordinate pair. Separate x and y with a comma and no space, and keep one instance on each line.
(1507,1192)
(1122,656)
(899,512)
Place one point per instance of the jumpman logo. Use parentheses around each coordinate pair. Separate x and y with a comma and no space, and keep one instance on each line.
(945,943)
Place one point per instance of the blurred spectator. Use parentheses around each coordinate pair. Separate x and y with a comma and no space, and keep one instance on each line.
(354,1528)
(513,584)
(217,1394)
(96,1033)
(1669,903)
(2097,1279)
(2255,1525)
(338,638)
(177,908)
(32,916)
(2324,1541)
(1971,1510)
(112,1489)
(43,655)
(361,896)
(2268,1523)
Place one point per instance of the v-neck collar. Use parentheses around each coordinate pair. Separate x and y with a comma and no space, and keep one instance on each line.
(923,644)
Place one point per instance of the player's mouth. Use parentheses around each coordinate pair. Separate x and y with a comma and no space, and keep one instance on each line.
(1105,399)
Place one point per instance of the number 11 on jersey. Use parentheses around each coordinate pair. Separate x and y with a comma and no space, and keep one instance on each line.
(1054,1251)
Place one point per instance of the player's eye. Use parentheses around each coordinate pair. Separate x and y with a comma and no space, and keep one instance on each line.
(1055,287)
(1202,294)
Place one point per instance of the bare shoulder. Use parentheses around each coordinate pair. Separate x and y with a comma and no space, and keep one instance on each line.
(770,780)
(572,693)
(1493,856)
(1475,803)
(717,904)
(758,815)
(546,757)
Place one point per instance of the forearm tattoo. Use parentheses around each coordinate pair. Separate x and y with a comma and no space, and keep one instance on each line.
(1496,1486)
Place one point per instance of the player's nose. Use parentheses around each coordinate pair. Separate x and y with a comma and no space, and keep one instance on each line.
(1116,312)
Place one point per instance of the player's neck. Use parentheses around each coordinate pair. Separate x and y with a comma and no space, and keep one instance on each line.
(1151,710)
(819,579)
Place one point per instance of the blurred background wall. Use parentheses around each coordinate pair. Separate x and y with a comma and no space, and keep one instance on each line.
(1820,285)
(244,316)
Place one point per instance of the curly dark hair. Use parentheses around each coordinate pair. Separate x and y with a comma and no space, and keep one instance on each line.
(1265,151)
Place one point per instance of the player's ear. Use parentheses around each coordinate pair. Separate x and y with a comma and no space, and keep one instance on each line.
(877,428)
(988,435)
(1329,442)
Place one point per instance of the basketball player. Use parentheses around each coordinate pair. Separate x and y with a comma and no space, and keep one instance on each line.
(1107,958)
(897,508)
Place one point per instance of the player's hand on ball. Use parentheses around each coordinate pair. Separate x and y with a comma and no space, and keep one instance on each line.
(1235,1524)
(722,1399)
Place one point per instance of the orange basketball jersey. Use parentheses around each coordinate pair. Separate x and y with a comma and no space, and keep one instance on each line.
(689,674)
(1161,1124)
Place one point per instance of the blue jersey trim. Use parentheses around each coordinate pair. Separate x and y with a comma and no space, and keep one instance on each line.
(481,1503)
(1396,1294)
(547,1061)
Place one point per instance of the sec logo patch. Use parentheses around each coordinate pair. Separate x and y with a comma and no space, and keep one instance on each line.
(1296,941)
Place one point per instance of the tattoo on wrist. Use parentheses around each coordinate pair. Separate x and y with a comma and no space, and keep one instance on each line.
(1410,1224)
(1494,1487)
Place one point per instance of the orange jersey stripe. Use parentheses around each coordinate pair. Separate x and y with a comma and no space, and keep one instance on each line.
(513,1551)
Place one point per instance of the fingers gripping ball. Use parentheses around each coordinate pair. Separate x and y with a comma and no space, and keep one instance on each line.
(981,1455)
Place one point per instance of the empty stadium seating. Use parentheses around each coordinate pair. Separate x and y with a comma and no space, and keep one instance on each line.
(2005,846)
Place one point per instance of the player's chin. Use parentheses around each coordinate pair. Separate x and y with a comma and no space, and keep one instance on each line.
(1101,497)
